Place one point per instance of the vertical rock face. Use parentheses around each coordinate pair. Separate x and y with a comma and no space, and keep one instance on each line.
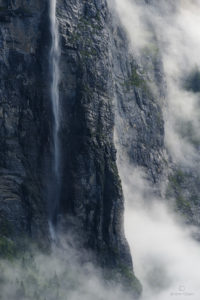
(91,201)
(23,117)
(91,189)
(101,85)
(139,119)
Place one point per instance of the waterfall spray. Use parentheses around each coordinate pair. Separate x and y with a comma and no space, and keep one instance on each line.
(54,63)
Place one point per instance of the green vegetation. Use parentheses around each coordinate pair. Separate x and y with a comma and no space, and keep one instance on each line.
(75,36)
(91,26)
(177,178)
(130,280)
(176,189)
(124,277)
(136,80)
(183,204)
(83,36)
(88,52)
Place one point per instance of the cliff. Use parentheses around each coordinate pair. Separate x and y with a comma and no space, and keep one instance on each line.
(25,118)
(79,102)
(90,198)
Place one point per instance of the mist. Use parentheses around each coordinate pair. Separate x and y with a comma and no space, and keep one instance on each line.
(65,273)
(166,257)
(173,28)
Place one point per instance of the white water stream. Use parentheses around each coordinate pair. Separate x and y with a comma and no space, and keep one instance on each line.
(55,75)
(54,61)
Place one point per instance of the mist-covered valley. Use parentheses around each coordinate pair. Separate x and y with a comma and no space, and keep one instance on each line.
(100,150)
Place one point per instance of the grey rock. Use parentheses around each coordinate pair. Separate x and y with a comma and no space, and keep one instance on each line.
(91,201)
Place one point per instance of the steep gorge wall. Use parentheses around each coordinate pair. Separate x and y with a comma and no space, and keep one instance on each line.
(24,117)
(91,195)
(91,202)
(101,84)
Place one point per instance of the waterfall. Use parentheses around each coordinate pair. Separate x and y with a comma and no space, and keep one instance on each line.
(55,78)
(54,60)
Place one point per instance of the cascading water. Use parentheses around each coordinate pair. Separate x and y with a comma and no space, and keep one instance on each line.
(54,64)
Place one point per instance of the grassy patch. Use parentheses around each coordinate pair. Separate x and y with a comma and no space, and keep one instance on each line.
(136,80)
